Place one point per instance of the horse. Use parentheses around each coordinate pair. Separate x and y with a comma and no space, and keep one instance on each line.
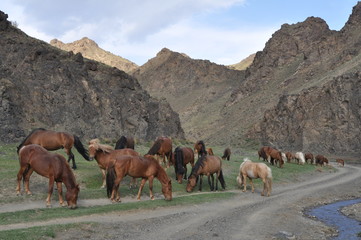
(50,165)
(300,158)
(162,147)
(289,156)
(252,170)
(226,154)
(309,156)
(206,165)
(321,160)
(340,162)
(124,142)
(145,167)
(52,140)
(262,153)
(182,156)
(200,149)
(103,154)
(272,155)
(210,151)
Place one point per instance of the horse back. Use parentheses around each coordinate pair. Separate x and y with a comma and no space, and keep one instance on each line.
(188,155)
(52,140)
(212,164)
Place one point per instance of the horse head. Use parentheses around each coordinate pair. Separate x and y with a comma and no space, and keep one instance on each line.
(72,196)
(167,190)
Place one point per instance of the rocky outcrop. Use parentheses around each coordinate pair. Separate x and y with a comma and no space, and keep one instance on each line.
(321,119)
(89,49)
(42,86)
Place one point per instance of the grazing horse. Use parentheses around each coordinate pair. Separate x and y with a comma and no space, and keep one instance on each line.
(200,149)
(164,148)
(182,156)
(206,165)
(340,162)
(252,170)
(226,154)
(103,154)
(289,156)
(309,156)
(321,160)
(50,165)
(272,155)
(124,142)
(300,158)
(145,167)
(262,153)
(52,140)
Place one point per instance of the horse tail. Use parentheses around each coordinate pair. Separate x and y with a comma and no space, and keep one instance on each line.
(239,177)
(178,166)
(221,179)
(121,143)
(27,137)
(80,148)
(110,177)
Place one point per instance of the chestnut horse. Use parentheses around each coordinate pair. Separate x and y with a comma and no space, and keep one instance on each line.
(52,140)
(321,160)
(200,149)
(340,162)
(206,165)
(145,167)
(226,154)
(124,142)
(272,155)
(289,156)
(309,156)
(182,156)
(104,153)
(50,165)
(252,170)
(162,147)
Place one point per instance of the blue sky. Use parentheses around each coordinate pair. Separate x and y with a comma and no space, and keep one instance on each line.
(222,31)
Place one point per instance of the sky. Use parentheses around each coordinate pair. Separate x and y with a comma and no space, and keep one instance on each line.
(221,31)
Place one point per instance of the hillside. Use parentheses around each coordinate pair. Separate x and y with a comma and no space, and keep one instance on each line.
(244,64)
(43,86)
(89,49)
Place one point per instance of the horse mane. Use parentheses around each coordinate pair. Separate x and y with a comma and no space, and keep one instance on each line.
(178,166)
(121,143)
(98,146)
(26,138)
(155,148)
(203,148)
(244,161)
(199,163)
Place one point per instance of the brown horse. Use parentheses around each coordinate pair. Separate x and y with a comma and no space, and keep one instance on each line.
(162,147)
(182,156)
(289,156)
(226,154)
(50,165)
(272,155)
(340,162)
(104,153)
(52,140)
(124,142)
(309,156)
(321,160)
(206,165)
(252,170)
(210,151)
(200,149)
(262,153)
(145,167)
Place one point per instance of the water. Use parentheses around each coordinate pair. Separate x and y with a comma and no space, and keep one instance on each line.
(330,214)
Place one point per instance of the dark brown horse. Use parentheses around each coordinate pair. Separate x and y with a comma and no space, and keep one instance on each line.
(321,160)
(309,156)
(272,155)
(182,156)
(104,153)
(226,154)
(290,156)
(50,165)
(145,167)
(52,140)
(200,149)
(206,165)
(125,142)
(162,147)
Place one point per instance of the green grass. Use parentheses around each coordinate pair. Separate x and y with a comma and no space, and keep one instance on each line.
(89,177)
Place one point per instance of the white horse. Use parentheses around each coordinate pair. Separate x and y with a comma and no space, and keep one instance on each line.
(252,170)
(300,157)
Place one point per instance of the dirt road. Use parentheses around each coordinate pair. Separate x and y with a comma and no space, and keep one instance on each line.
(246,216)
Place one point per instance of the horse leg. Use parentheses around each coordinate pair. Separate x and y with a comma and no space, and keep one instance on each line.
(151,178)
(211,184)
(50,190)
(115,197)
(59,186)
(27,181)
(141,187)
(217,176)
(244,180)
(250,180)
(264,186)
(71,157)
(133,183)
(185,172)
(103,175)
(19,177)
(200,182)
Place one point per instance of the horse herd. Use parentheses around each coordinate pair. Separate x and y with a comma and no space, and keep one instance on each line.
(122,160)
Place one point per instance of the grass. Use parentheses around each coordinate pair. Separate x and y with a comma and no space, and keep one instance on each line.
(88,176)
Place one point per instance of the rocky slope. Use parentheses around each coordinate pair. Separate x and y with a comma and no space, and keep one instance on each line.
(89,49)
(43,86)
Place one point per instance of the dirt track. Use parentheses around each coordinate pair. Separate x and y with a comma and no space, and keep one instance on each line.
(246,216)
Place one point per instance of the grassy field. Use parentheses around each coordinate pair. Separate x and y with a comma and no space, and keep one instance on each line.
(88,176)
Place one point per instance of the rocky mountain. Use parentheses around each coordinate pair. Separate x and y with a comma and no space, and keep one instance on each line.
(244,64)
(43,86)
(89,49)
